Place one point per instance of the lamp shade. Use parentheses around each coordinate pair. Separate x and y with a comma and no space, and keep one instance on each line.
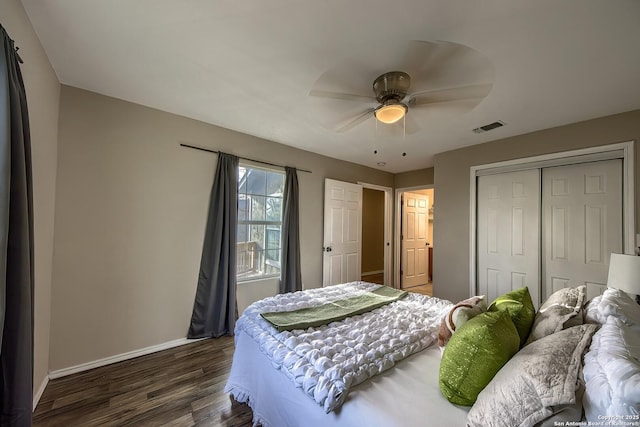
(624,273)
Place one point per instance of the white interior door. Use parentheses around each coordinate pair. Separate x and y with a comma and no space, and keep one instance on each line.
(415,243)
(582,222)
(342,232)
(508,241)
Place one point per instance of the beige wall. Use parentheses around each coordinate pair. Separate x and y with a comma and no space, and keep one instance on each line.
(417,178)
(43,90)
(452,169)
(372,230)
(130,219)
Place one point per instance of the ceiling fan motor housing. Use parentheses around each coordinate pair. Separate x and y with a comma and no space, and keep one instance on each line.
(391,87)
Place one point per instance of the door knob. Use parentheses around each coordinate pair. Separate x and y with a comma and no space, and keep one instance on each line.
(327,249)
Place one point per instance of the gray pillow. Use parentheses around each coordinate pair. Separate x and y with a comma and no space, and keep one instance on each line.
(541,380)
(564,415)
(562,310)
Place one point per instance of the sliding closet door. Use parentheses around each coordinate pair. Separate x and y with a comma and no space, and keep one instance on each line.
(582,223)
(508,241)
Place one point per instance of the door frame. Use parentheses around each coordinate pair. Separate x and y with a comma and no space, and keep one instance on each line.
(397,243)
(388,228)
(623,150)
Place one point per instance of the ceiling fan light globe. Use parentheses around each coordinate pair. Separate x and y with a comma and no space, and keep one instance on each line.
(391,113)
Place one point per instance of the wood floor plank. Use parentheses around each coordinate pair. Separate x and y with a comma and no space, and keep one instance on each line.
(177,387)
(185,420)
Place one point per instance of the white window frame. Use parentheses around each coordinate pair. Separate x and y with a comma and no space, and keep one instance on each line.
(265,223)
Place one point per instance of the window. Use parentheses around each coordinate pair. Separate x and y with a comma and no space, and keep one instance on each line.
(259,222)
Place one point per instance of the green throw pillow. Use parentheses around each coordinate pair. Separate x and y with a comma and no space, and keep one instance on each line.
(520,307)
(474,354)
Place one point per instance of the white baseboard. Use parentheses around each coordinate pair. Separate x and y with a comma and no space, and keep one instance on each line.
(38,394)
(369,273)
(58,373)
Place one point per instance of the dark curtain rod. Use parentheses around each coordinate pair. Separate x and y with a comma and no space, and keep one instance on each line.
(245,158)
(18,56)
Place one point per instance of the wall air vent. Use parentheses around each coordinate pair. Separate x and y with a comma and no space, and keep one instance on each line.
(489,127)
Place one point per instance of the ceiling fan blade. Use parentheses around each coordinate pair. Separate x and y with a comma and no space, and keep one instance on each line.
(350,124)
(446,64)
(418,57)
(444,109)
(459,93)
(438,112)
(341,96)
(411,125)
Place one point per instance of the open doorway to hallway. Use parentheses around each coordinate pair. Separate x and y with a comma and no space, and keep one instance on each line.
(373,236)
(414,239)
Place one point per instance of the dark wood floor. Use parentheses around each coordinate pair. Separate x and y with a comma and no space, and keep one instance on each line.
(373,278)
(182,386)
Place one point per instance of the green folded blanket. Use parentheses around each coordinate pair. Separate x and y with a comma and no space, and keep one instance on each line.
(334,311)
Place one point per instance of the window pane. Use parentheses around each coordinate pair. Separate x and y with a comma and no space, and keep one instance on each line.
(242,179)
(257,208)
(275,184)
(245,260)
(257,236)
(258,243)
(243,233)
(243,207)
(273,258)
(273,208)
(273,237)
(257,181)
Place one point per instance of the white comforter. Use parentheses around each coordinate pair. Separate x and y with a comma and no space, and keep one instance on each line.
(612,365)
(325,362)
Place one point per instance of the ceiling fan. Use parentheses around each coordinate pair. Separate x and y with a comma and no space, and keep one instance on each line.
(450,78)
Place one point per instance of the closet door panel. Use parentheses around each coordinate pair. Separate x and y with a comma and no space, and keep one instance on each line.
(509,233)
(581,223)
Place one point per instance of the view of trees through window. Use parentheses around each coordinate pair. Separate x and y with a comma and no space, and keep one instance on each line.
(259,222)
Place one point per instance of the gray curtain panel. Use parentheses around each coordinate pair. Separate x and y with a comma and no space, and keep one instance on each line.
(290,274)
(214,310)
(16,244)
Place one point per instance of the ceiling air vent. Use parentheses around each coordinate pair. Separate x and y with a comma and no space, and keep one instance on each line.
(489,127)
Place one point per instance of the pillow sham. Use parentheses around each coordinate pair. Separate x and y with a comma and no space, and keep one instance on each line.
(474,354)
(519,306)
(538,382)
(459,315)
(562,310)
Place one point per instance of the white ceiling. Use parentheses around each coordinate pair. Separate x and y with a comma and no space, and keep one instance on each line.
(250,65)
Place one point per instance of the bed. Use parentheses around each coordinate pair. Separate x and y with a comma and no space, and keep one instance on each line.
(291,378)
